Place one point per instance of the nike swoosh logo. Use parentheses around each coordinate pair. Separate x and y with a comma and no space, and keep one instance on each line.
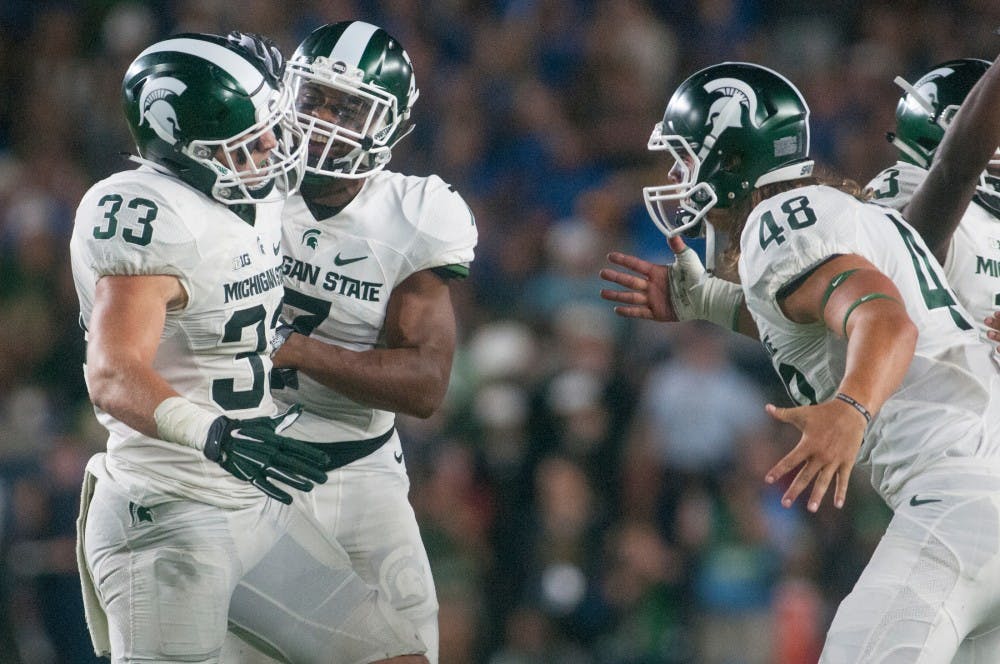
(341,262)
(915,502)
(398,456)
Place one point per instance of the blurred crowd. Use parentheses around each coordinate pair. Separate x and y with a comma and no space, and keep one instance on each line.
(592,491)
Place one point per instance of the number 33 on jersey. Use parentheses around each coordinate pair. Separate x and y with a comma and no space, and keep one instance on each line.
(213,351)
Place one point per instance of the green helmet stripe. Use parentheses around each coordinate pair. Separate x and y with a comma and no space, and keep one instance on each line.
(351,46)
(244,73)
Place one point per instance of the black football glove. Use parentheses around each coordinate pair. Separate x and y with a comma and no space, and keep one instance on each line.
(253,451)
(285,378)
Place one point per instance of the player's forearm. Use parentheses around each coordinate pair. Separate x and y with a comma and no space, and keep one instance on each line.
(402,380)
(128,391)
(880,349)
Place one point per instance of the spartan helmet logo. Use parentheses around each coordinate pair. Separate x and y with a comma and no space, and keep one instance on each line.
(733,98)
(311,238)
(157,109)
(928,89)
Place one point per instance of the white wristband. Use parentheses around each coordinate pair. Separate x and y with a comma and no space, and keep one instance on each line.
(180,421)
(696,295)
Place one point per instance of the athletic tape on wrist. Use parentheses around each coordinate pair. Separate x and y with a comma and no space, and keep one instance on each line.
(698,296)
(180,421)
(721,302)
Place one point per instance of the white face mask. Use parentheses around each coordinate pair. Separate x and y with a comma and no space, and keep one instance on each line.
(350,125)
(243,166)
(682,204)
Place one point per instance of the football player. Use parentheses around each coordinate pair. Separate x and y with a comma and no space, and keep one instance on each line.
(177,266)
(369,256)
(968,248)
(869,339)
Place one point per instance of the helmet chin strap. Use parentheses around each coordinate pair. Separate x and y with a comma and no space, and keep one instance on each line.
(342,162)
(709,248)
(346,163)
(365,151)
(406,133)
(914,156)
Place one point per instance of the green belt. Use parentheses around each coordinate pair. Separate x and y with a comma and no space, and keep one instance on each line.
(345,452)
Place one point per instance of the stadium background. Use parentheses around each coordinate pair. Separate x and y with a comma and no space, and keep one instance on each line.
(592,491)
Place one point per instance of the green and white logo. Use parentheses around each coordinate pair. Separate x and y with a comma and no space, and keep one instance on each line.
(735,100)
(311,238)
(929,89)
(157,109)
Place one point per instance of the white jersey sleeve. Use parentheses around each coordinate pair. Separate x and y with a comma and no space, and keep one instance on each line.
(787,236)
(894,186)
(213,351)
(446,228)
(122,214)
(175,251)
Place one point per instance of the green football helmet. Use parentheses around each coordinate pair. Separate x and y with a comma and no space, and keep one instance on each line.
(730,128)
(199,105)
(925,111)
(353,86)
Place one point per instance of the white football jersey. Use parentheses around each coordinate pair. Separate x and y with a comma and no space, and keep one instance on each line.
(214,350)
(944,403)
(340,271)
(972,265)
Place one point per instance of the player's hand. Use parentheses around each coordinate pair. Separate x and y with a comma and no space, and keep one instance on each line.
(680,291)
(254,451)
(648,295)
(832,433)
(993,323)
